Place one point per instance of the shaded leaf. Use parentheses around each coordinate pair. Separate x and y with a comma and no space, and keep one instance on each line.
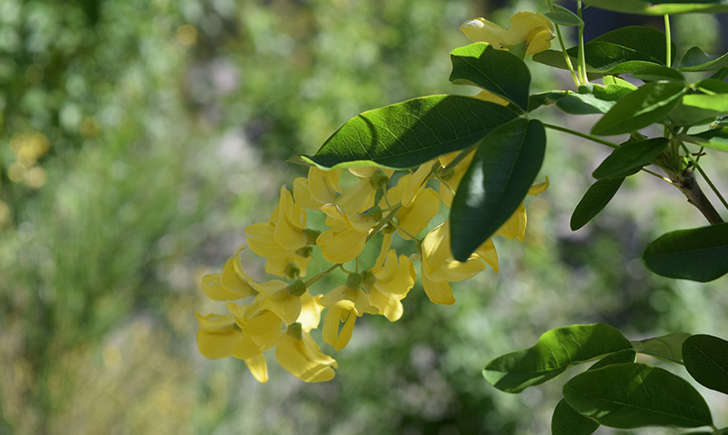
(503,169)
(634,395)
(571,102)
(697,254)
(561,15)
(566,421)
(649,104)
(695,59)
(594,200)
(498,71)
(706,359)
(630,157)
(667,347)
(657,8)
(552,354)
(646,71)
(409,133)
(619,357)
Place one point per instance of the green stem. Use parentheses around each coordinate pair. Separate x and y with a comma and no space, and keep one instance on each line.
(567,59)
(668,42)
(705,176)
(320,275)
(580,134)
(582,58)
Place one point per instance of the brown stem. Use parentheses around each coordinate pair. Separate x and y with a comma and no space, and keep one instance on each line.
(692,191)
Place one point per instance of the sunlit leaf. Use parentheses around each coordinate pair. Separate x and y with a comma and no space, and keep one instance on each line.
(634,395)
(697,254)
(706,359)
(649,104)
(503,169)
(716,138)
(409,133)
(552,354)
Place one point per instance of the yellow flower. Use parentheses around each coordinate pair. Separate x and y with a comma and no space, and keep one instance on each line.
(486,95)
(532,28)
(439,268)
(319,188)
(418,204)
(515,226)
(345,304)
(298,353)
(450,180)
(231,284)
(388,283)
(347,236)
(218,337)
(283,240)
(281,298)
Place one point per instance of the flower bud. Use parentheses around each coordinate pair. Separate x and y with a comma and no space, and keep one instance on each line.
(353,281)
(295,330)
(297,288)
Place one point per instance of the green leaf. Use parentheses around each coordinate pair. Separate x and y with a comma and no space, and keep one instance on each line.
(685,115)
(667,347)
(552,354)
(566,421)
(614,88)
(717,103)
(594,200)
(555,58)
(646,71)
(696,60)
(619,357)
(571,102)
(503,169)
(625,44)
(697,254)
(648,104)
(409,133)
(635,395)
(561,15)
(716,138)
(706,359)
(630,157)
(656,8)
(498,71)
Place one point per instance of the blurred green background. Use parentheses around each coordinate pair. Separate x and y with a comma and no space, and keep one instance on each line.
(138,138)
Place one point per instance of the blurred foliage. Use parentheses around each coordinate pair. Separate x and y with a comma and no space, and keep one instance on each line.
(139,138)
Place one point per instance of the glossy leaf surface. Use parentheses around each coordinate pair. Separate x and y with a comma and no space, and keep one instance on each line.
(409,133)
(636,395)
(697,254)
(504,167)
(552,354)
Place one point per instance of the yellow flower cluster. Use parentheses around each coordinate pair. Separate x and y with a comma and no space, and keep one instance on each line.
(281,313)
(28,148)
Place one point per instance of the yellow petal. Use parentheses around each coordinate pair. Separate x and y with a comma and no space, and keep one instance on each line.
(234,278)
(258,367)
(439,292)
(263,328)
(388,305)
(480,29)
(303,358)
(332,334)
(487,252)
(358,197)
(216,323)
(310,312)
(386,243)
(261,240)
(341,246)
(213,288)
(453,270)
(302,194)
(525,24)
(539,41)
(323,185)
(284,305)
(515,226)
(220,345)
(415,218)
(394,277)
(436,247)
(538,189)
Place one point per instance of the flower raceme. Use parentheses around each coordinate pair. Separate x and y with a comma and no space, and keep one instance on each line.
(280,314)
